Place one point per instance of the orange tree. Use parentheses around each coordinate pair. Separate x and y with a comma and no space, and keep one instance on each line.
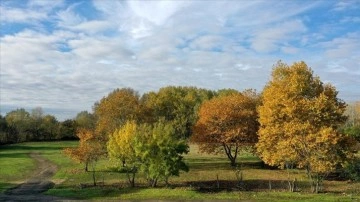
(88,152)
(114,110)
(299,119)
(228,122)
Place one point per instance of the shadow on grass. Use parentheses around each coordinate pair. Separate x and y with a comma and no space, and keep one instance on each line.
(6,186)
(212,186)
(17,148)
(14,155)
(220,163)
(88,192)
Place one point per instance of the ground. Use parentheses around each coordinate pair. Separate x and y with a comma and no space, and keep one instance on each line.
(40,181)
(39,171)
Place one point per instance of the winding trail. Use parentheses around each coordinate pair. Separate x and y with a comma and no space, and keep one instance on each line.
(32,189)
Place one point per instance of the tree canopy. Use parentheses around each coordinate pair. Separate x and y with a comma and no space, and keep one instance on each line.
(115,109)
(228,121)
(177,105)
(299,119)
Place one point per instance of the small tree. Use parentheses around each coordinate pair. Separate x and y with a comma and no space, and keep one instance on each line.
(228,121)
(160,152)
(88,152)
(121,146)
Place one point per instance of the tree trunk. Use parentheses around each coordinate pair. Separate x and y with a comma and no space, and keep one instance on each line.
(153,182)
(229,155)
(93,172)
(131,178)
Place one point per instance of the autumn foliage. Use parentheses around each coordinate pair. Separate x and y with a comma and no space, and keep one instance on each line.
(229,122)
(89,150)
(115,109)
(299,119)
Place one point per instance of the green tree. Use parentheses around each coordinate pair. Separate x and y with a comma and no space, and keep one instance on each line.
(4,129)
(19,123)
(67,130)
(85,120)
(36,117)
(160,152)
(227,121)
(352,125)
(177,105)
(299,119)
(49,127)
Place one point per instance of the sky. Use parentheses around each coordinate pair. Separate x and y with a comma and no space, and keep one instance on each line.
(63,56)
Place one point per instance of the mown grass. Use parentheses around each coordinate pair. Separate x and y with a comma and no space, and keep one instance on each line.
(210,178)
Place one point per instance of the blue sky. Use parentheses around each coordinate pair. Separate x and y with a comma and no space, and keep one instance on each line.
(64,56)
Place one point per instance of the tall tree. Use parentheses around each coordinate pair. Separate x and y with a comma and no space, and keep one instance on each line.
(19,123)
(299,119)
(49,127)
(352,125)
(4,129)
(177,105)
(85,120)
(37,115)
(228,121)
(113,111)
(67,130)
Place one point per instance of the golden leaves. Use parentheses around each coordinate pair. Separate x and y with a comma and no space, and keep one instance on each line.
(298,118)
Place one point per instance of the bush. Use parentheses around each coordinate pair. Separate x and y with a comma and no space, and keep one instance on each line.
(352,170)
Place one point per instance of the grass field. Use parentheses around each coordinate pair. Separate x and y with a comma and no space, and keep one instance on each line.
(210,177)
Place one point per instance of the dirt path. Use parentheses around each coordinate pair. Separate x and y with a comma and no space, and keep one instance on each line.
(32,189)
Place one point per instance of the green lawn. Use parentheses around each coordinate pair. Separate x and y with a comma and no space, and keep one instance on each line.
(207,173)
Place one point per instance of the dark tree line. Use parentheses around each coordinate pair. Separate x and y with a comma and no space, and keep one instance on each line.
(22,126)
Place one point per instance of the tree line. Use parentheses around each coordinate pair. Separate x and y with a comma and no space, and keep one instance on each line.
(297,121)
(22,126)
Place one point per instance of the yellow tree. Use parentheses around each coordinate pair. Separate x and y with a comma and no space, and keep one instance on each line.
(228,121)
(121,146)
(88,152)
(299,119)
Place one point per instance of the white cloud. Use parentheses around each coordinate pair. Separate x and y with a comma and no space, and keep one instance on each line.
(157,12)
(271,39)
(343,47)
(68,18)
(19,15)
(150,44)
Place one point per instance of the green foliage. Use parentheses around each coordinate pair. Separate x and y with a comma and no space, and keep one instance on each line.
(160,152)
(19,123)
(85,120)
(67,130)
(177,105)
(351,170)
(204,168)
